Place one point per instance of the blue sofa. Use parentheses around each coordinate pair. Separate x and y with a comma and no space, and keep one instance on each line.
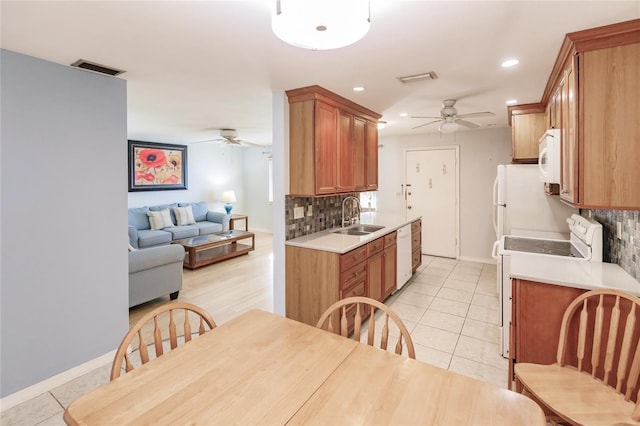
(206,222)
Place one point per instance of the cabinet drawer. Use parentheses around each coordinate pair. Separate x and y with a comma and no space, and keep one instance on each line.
(390,238)
(351,276)
(358,290)
(416,226)
(416,239)
(375,246)
(353,257)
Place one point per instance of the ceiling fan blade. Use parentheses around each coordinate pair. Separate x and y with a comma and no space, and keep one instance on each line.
(417,116)
(206,141)
(426,124)
(467,124)
(247,143)
(476,114)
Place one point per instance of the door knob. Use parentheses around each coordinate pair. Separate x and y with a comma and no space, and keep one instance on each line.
(409,207)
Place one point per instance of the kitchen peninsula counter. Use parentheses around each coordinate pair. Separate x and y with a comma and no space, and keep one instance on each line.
(327,240)
(571,273)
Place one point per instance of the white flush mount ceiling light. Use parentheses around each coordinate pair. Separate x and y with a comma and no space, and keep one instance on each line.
(512,102)
(320,24)
(448,126)
(510,63)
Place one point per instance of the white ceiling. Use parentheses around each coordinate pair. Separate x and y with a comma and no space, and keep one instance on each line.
(196,66)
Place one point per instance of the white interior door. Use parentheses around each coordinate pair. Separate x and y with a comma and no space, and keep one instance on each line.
(431,191)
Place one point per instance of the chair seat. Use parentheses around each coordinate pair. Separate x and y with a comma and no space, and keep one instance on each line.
(575,396)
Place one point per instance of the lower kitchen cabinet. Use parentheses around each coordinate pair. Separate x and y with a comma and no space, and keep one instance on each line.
(537,311)
(416,245)
(316,279)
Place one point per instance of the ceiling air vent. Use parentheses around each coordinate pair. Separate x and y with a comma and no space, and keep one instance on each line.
(92,66)
(418,77)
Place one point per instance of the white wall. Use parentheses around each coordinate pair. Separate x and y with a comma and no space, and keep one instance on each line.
(64,279)
(256,189)
(480,152)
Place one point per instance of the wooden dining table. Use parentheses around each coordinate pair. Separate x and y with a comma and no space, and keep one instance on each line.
(261,368)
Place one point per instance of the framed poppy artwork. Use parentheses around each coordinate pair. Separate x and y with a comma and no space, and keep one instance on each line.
(157,166)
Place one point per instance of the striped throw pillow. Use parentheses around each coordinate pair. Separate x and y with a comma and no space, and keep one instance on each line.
(160,219)
(184,215)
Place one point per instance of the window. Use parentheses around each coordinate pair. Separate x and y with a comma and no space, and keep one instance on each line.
(368,201)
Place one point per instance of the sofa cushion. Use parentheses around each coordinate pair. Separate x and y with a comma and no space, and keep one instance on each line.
(199,209)
(206,228)
(161,219)
(138,218)
(184,215)
(186,231)
(148,238)
(165,206)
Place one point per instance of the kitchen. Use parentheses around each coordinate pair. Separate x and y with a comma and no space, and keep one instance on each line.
(395,188)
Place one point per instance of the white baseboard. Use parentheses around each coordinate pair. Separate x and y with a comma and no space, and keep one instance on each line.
(55,381)
(491,261)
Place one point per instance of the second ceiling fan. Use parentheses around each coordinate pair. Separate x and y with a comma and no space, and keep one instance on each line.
(449,118)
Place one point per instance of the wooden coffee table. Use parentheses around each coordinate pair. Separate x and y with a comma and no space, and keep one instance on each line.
(207,249)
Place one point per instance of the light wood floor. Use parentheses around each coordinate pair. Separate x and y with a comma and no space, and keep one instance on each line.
(229,288)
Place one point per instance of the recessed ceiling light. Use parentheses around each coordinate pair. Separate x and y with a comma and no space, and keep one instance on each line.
(358,89)
(509,63)
(512,102)
(404,114)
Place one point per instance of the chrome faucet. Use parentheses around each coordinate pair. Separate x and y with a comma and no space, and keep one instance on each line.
(352,219)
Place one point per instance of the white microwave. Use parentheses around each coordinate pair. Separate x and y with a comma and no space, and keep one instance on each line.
(549,156)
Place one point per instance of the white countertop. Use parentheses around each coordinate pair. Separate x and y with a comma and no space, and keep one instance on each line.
(571,272)
(341,243)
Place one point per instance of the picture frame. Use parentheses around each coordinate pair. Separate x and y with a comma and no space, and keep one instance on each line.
(156,166)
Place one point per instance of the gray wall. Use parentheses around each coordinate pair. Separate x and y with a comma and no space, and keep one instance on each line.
(63,281)
(480,152)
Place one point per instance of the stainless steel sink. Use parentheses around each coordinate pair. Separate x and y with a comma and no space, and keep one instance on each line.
(351,232)
(359,230)
(366,228)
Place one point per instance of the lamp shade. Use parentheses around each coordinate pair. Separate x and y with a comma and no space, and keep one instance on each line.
(320,24)
(448,127)
(229,197)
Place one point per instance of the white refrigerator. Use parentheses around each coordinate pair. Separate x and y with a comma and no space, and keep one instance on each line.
(520,207)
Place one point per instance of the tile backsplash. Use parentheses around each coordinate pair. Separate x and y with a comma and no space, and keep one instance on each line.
(625,251)
(319,213)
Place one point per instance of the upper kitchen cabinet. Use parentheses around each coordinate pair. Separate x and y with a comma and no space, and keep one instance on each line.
(333,144)
(527,127)
(593,96)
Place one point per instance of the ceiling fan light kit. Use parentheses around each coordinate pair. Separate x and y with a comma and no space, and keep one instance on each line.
(320,24)
(448,127)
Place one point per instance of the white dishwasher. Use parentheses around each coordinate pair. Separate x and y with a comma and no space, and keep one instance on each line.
(403,257)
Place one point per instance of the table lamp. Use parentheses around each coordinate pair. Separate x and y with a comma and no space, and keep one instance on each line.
(228,197)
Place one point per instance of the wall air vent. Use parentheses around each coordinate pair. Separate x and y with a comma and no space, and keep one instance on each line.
(92,66)
(418,77)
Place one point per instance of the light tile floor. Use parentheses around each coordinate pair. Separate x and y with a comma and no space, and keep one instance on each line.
(449,306)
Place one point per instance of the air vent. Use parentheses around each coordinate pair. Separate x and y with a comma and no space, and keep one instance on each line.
(418,77)
(92,66)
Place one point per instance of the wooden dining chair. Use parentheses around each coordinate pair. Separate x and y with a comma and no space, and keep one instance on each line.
(595,377)
(363,308)
(205,323)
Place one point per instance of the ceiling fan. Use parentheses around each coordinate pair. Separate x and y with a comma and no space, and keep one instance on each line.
(449,118)
(230,136)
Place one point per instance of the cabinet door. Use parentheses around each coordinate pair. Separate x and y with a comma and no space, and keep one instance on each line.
(359,157)
(375,269)
(326,135)
(526,132)
(345,153)
(390,265)
(568,112)
(371,154)
(609,133)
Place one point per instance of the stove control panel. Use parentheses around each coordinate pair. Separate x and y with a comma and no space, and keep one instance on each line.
(587,231)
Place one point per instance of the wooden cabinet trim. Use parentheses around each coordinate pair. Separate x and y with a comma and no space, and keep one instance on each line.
(319,93)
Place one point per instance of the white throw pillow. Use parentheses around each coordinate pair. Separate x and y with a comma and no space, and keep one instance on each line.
(160,219)
(184,215)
